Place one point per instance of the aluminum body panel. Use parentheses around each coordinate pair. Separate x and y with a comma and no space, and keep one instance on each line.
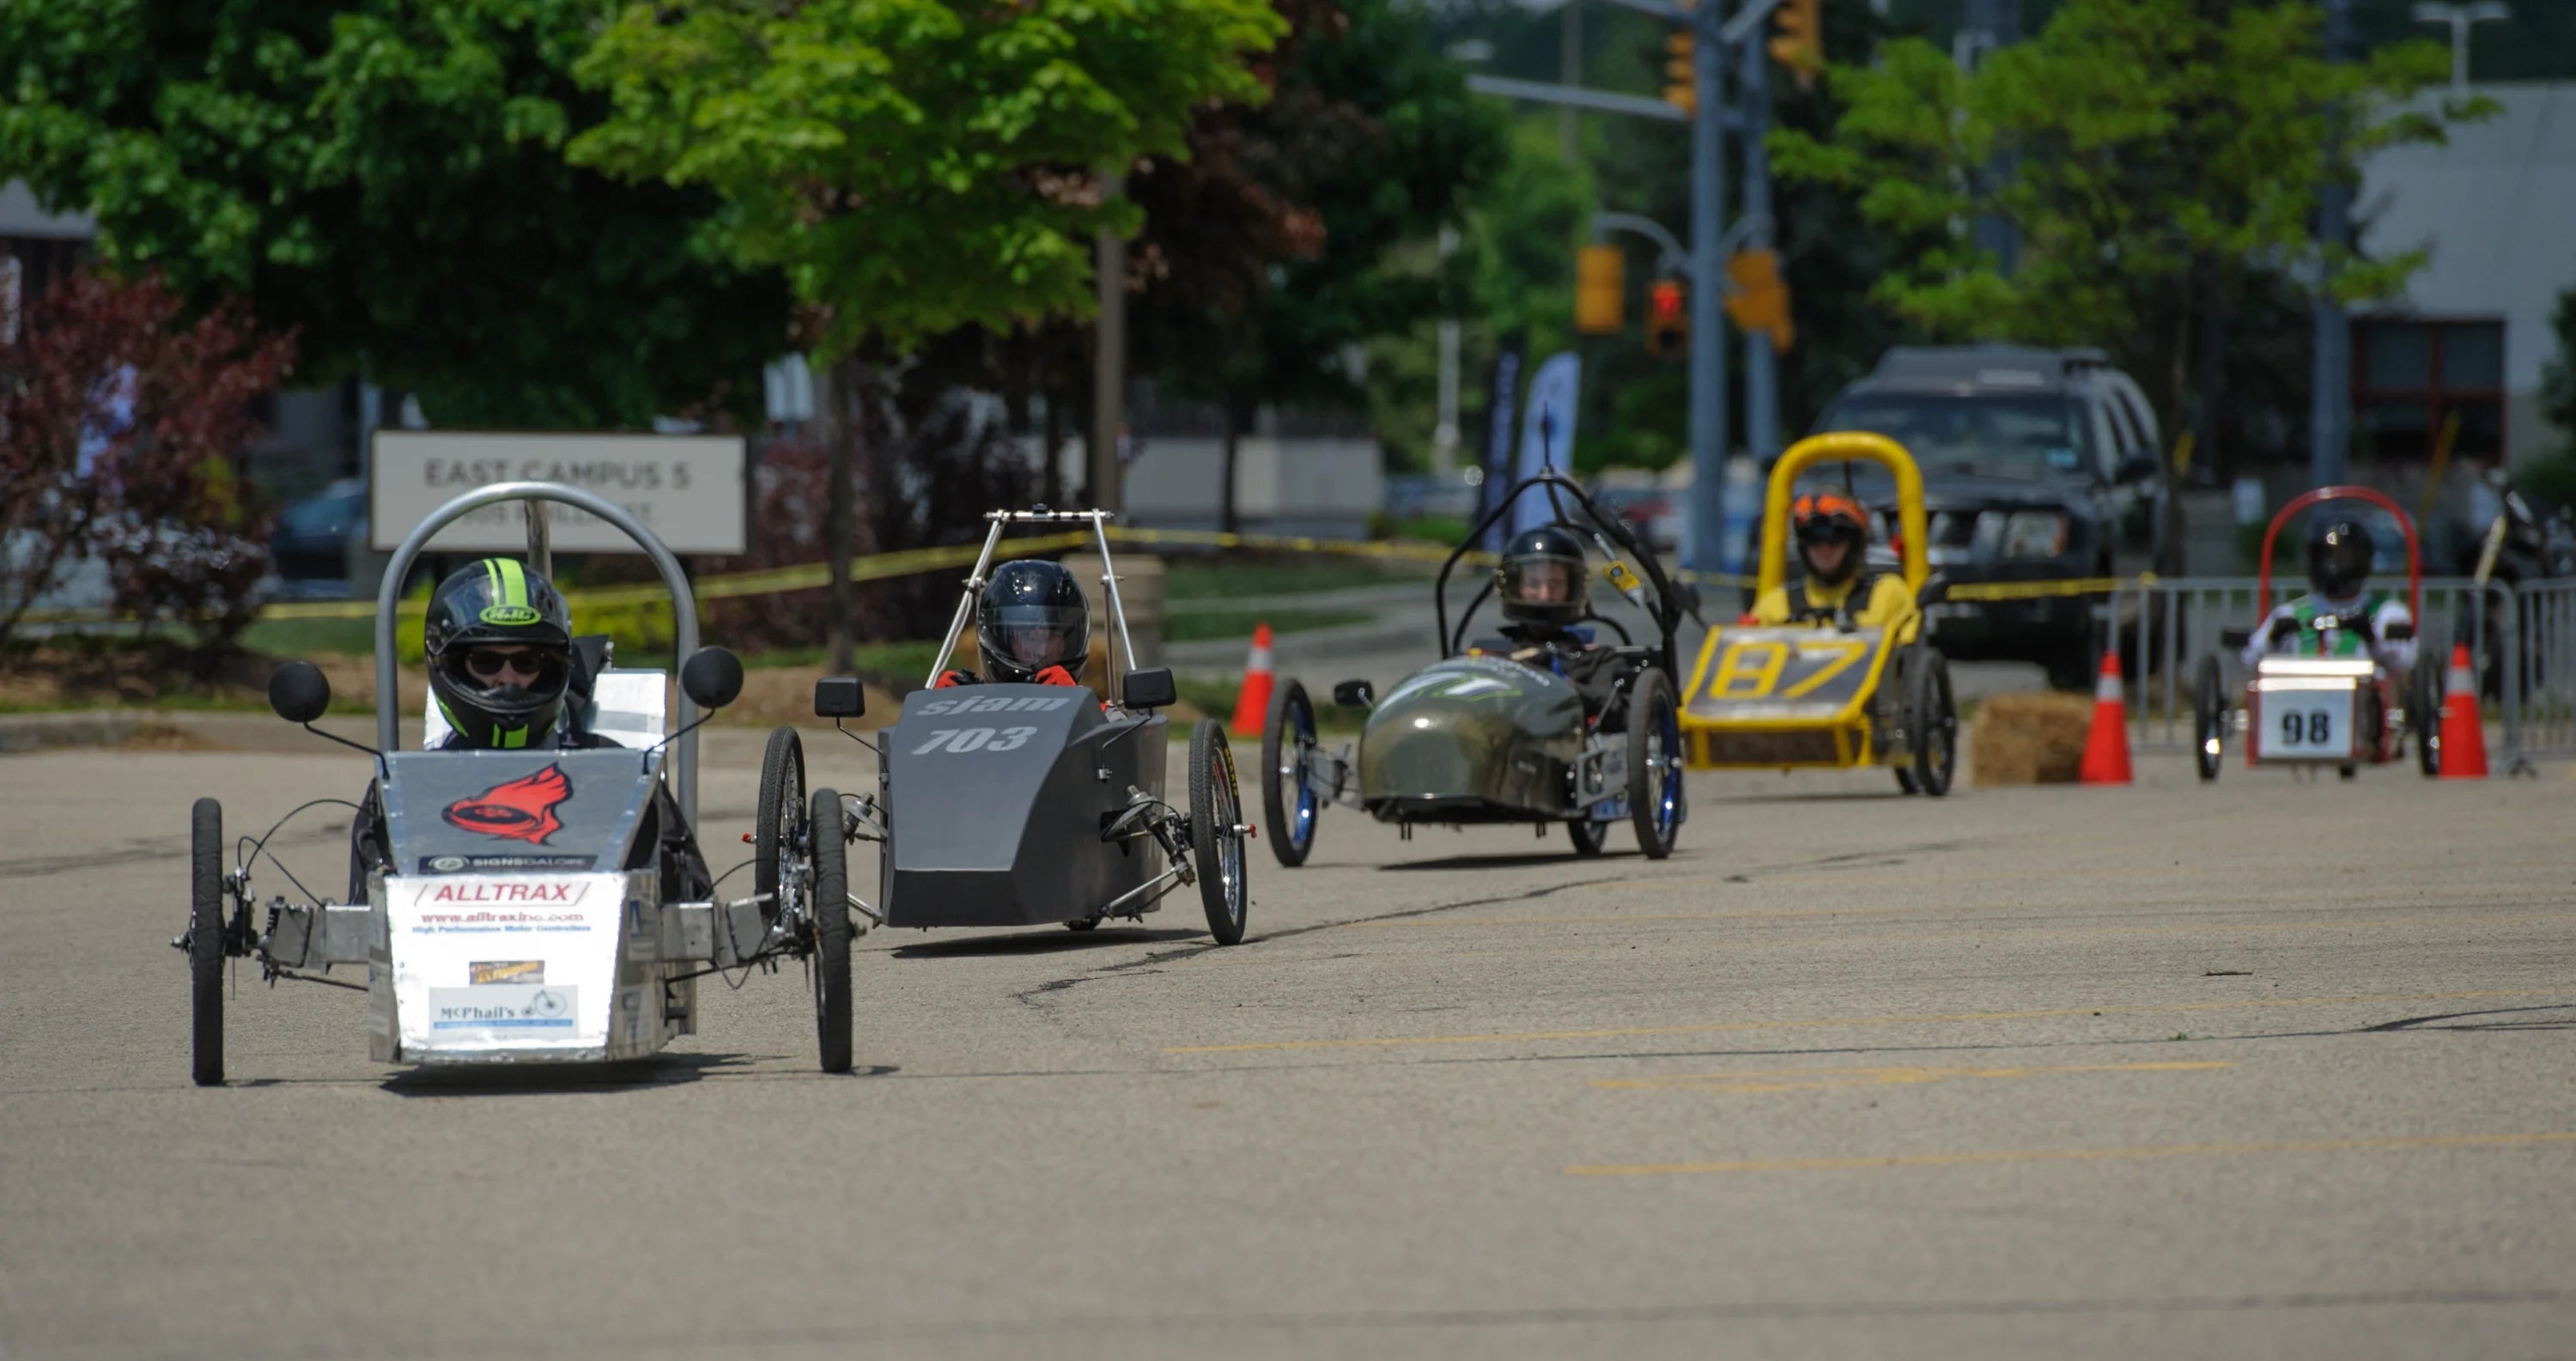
(1472,739)
(995,798)
(455,812)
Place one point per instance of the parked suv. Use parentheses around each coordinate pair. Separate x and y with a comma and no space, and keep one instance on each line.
(2038,465)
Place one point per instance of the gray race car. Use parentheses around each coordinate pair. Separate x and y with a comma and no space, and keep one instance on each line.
(1586,737)
(1017,805)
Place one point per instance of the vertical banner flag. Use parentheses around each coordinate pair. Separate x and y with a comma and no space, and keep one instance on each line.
(1547,434)
(1502,405)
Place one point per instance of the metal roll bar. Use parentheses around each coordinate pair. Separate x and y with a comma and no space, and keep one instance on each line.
(684,605)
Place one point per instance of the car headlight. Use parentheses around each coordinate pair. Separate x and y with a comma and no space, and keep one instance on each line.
(2033,534)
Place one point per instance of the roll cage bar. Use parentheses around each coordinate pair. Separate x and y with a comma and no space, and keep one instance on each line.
(2305,499)
(684,605)
(975,581)
(1669,604)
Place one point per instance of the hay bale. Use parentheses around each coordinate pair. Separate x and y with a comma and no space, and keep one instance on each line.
(2029,739)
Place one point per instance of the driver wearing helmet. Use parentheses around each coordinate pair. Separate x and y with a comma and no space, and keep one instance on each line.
(2342,617)
(1541,583)
(1838,590)
(1031,628)
(501,669)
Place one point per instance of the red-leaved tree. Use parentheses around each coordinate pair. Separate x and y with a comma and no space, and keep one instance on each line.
(120,424)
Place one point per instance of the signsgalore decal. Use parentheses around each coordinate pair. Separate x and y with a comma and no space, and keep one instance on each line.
(515,810)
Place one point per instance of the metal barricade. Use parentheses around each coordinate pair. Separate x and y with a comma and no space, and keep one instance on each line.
(2539,675)
(2165,625)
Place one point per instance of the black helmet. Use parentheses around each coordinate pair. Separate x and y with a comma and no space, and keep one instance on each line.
(1031,617)
(1541,578)
(497,602)
(2339,554)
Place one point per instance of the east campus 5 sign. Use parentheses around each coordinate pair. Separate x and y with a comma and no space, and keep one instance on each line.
(689,488)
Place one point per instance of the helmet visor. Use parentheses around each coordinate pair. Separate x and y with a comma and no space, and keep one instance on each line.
(1542,581)
(1034,636)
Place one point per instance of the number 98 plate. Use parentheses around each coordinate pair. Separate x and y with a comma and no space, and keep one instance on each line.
(2308,727)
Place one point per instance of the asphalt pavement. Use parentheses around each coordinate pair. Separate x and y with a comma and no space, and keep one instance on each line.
(2262,1069)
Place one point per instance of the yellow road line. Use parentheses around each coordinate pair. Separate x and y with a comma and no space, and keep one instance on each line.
(1935,1018)
(1811,1079)
(2034,1155)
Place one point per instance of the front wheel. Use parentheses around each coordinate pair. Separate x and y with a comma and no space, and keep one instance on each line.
(1216,835)
(1931,721)
(1588,836)
(2424,714)
(2208,718)
(206,940)
(1287,761)
(828,926)
(782,818)
(1655,796)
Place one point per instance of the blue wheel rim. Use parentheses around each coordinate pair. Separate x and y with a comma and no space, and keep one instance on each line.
(1301,823)
(1668,796)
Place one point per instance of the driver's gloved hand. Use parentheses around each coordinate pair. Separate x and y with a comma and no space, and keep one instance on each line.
(2283,629)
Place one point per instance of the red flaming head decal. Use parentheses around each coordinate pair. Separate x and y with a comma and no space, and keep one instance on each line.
(520,810)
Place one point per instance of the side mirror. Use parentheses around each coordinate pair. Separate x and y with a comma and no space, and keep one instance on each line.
(1149,689)
(1936,588)
(839,697)
(711,678)
(1689,592)
(2135,468)
(299,692)
(2236,638)
(1355,694)
(2400,633)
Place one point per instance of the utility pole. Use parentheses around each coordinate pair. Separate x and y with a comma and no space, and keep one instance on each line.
(1569,69)
(1708,270)
(2330,412)
(1444,431)
(1108,363)
(2459,18)
(1761,359)
(1991,25)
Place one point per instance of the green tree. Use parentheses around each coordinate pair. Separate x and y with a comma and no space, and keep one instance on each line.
(1301,230)
(2153,155)
(388,182)
(914,167)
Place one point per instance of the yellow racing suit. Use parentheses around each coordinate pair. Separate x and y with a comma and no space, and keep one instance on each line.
(1888,604)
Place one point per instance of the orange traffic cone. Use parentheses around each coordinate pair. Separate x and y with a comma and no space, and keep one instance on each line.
(2106,747)
(1252,703)
(2464,734)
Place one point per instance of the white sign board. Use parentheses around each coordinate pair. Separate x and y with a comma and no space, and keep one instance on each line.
(688,488)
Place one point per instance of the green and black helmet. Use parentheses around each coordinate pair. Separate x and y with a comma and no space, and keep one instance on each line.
(499,639)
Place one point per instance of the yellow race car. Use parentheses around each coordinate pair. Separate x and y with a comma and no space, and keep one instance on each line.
(1831,694)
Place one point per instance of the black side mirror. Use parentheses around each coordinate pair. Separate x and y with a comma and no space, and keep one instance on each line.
(1355,694)
(711,678)
(2135,468)
(2236,638)
(2399,633)
(1149,689)
(1689,593)
(1936,588)
(839,697)
(299,692)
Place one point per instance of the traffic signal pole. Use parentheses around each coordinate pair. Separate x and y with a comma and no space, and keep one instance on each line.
(1761,354)
(1708,267)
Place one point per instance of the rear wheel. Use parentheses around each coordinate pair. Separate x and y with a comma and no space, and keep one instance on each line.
(1589,836)
(1216,844)
(1287,757)
(2424,713)
(1931,721)
(1655,800)
(829,932)
(206,939)
(2208,718)
(782,815)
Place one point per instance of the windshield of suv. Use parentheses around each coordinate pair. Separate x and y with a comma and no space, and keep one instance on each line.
(2021,435)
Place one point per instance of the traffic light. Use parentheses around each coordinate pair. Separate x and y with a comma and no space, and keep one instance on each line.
(1758,298)
(1681,76)
(1667,320)
(1600,282)
(1800,42)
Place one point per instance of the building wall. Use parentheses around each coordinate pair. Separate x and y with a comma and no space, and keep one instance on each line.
(2492,210)
(1323,487)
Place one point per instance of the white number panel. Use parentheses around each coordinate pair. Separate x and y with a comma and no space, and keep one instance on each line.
(2293,726)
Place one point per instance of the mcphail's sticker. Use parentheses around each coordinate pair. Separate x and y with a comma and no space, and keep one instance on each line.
(503,1007)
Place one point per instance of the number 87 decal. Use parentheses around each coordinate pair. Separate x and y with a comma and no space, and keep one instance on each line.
(957,740)
(1751,668)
